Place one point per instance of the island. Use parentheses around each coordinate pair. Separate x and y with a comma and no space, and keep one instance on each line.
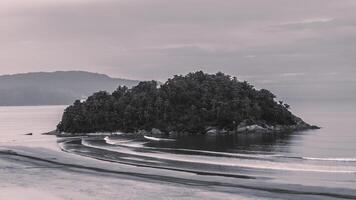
(197,103)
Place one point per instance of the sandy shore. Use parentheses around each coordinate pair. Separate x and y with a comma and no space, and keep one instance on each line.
(40,170)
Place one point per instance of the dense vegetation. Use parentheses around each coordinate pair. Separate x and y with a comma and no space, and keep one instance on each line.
(188,103)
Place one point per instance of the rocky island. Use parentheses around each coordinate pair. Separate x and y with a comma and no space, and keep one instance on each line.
(197,103)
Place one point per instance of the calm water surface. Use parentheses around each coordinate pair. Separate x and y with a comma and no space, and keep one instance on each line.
(316,164)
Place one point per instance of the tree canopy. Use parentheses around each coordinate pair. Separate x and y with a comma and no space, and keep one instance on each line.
(189,103)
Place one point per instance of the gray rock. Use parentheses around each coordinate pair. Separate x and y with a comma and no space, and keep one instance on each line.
(156,131)
(141,132)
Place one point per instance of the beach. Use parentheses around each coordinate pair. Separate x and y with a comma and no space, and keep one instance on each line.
(135,167)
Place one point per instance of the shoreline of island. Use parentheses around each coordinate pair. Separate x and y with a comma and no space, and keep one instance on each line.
(242,129)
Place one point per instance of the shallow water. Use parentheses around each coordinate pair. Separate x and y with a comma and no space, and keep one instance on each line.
(316,164)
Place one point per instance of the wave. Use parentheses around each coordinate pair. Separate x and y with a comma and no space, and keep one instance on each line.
(331,159)
(131,144)
(109,141)
(256,164)
(318,159)
(266,157)
(124,143)
(157,139)
(169,178)
(114,142)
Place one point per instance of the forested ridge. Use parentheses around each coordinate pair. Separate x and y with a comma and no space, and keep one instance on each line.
(54,88)
(190,103)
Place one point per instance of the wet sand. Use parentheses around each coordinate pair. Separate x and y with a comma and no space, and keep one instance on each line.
(312,165)
(46,174)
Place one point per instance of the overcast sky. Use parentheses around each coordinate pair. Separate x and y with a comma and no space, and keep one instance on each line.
(268,42)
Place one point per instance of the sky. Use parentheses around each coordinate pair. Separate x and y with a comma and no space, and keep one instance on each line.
(297,48)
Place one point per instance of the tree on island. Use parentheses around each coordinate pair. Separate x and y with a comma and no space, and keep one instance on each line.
(190,103)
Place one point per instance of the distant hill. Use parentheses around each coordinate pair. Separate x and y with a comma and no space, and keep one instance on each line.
(54,88)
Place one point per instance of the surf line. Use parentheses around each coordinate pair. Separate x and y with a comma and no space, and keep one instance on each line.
(157,139)
(178,180)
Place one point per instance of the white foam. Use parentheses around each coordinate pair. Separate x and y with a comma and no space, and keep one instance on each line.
(213,153)
(120,142)
(157,139)
(130,143)
(331,159)
(109,141)
(236,162)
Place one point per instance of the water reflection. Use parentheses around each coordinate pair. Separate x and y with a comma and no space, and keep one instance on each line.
(229,143)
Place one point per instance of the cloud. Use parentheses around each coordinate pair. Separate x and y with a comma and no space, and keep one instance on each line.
(292,74)
(293,45)
(155,39)
(310,21)
(250,56)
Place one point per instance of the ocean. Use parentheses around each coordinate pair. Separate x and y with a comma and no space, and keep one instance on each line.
(314,164)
